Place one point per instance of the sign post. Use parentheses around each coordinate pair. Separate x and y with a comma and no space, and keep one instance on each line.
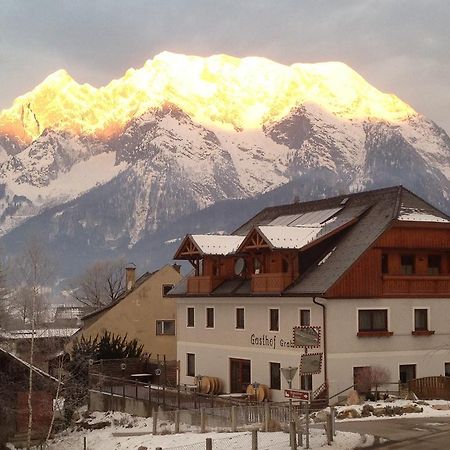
(289,374)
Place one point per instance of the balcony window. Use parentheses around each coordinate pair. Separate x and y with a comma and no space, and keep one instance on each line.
(240,318)
(434,264)
(421,320)
(190,319)
(407,264)
(165,328)
(372,320)
(274,319)
(257,265)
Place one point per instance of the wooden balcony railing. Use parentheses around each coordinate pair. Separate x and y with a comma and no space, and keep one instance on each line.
(409,285)
(203,284)
(270,282)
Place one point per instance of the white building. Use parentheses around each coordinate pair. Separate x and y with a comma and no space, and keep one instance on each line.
(372,270)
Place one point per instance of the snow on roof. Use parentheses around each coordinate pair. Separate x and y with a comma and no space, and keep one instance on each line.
(289,237)
(38,333)
(213,244)
(419,215)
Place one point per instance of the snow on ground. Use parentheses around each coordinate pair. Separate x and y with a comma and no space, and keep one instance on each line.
(129,433)
(429,408)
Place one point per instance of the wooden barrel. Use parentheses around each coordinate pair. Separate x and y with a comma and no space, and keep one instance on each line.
(251,391)
(204,385)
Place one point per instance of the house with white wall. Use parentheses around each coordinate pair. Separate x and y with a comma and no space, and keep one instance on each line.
(370,271)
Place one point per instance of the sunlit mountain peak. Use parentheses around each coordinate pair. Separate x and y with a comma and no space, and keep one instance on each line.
(241,93)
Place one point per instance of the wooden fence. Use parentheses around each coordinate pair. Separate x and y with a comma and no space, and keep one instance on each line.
(430,388)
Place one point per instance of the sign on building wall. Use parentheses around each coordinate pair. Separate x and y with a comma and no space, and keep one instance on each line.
(310,363)
(307,336)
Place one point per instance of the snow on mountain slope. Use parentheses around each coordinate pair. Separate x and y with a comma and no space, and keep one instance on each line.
(104,170)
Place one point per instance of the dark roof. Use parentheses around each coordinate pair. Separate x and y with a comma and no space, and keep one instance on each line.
(27,365)
(374,212)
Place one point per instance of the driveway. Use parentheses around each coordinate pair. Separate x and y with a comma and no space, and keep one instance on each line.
(421,433)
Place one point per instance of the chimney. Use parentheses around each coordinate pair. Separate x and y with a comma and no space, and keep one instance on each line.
(130,276)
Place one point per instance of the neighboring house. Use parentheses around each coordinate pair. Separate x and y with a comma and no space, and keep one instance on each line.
(47,341)
(371,269)
(142,312)
(70,315)
(14,379)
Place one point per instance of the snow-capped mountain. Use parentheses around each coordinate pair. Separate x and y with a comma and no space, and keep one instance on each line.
(117,169)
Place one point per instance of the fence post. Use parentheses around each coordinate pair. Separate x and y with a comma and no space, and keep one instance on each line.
(177,421)
(266,416)
(150,393)
(136,389)
(202,420)
(233,419)
(254,439)
(292,435)
(208,444)
(333,420)
(155,420)
(307,425)
(328,429)
(84,443)
(178,395)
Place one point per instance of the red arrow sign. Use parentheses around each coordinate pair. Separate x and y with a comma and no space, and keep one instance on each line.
(296,394)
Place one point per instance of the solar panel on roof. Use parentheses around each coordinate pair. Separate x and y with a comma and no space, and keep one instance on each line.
(284,220)
(314,218)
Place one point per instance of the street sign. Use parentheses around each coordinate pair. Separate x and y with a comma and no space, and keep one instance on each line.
(310,363)
(307,336)
(296,394)
(289,373)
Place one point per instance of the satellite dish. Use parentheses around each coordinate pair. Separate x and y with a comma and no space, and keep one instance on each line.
(239,266)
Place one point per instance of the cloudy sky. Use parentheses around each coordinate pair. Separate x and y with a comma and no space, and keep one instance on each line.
(400,46)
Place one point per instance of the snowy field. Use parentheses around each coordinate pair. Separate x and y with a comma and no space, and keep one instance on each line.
(130,433)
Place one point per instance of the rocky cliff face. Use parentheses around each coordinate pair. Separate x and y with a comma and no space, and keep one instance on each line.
(167,171)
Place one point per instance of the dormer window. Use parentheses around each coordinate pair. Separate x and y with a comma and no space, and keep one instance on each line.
(407,264)
(258,267)
(434,264)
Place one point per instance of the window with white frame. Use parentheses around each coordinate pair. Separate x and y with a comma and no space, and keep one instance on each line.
(210,317)
(305,317)
(420,319)
(190,317)
(165,327)
(274,319)
(372,320)
(240,318)
(190,364)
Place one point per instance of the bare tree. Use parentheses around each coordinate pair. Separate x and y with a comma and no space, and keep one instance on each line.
(34,269)
(371,377)
(101,284)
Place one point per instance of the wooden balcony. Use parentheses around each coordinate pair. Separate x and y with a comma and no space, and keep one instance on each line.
(270,282)
(203,284)
(413,285)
